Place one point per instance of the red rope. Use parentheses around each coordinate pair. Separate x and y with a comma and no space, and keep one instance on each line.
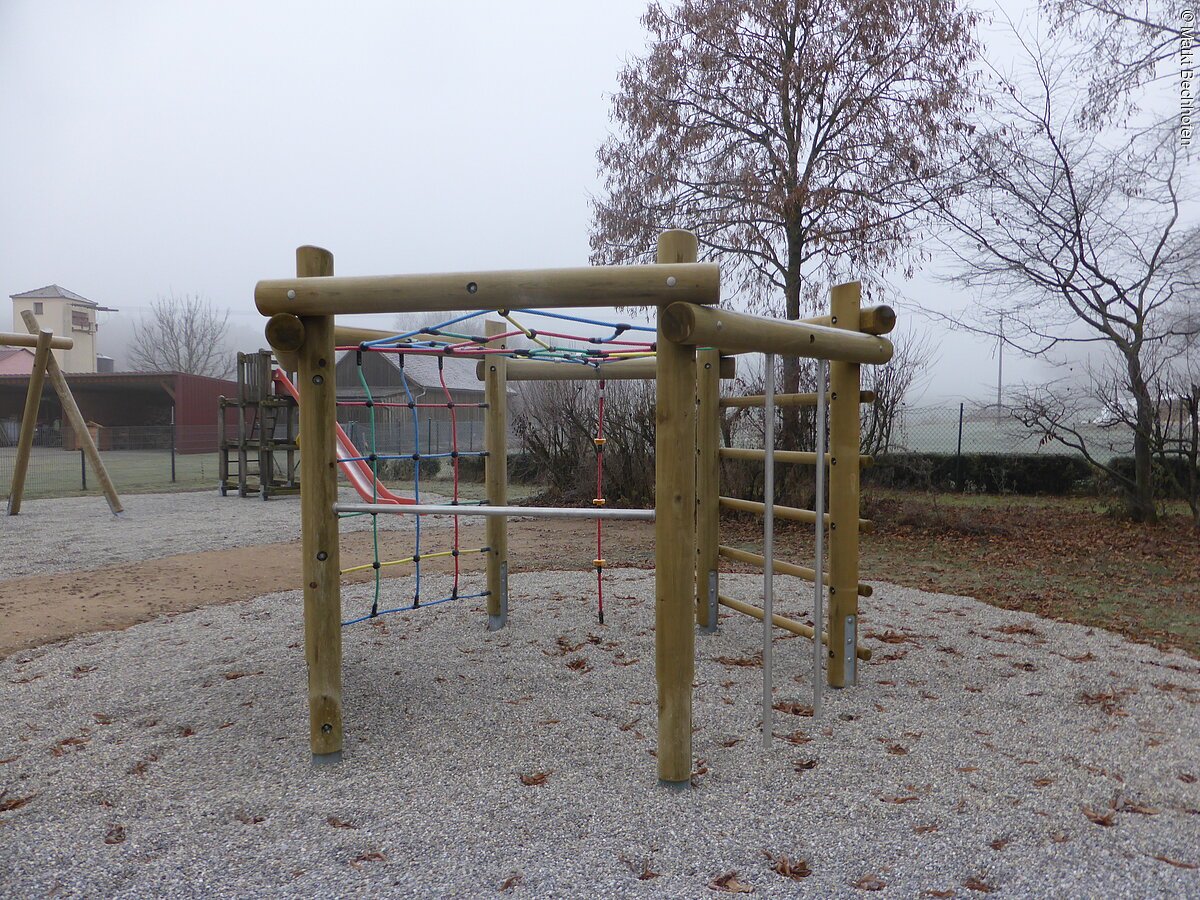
(598,562)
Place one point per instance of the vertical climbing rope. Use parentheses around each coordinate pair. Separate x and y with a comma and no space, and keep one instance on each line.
(374,460)
(453,462)
(599,442)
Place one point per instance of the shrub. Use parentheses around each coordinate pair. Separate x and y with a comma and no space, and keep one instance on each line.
(982,473)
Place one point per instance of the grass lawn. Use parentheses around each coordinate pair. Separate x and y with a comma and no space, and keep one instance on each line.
(1065,558)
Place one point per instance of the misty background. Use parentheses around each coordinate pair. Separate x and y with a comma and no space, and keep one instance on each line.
(158,148)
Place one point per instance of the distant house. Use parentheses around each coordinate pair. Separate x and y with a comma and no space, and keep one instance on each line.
(134,410)
(66,314)
(16,360)
(394,425)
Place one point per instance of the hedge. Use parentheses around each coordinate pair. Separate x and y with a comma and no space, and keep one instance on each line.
(983,473)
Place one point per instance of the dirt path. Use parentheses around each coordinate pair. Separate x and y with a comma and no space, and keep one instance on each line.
(42,609)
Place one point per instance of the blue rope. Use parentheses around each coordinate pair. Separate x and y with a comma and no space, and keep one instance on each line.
(384,612)
(620,326)
(384,342)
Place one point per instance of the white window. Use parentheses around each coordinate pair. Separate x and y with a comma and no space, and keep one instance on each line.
(37,307)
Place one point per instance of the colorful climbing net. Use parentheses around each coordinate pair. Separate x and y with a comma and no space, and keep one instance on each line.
(447,340)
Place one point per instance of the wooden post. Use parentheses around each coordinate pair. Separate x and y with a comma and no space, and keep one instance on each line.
(675,535)
(844,509)
(33,401)
(708,474)
(495,466)
(71,410)
(319,527)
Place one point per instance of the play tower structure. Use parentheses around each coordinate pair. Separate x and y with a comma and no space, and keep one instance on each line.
(687,358)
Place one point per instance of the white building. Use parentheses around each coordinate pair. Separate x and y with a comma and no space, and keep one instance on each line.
(66,314)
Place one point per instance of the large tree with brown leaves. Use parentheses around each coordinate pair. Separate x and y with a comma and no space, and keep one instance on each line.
(797,138)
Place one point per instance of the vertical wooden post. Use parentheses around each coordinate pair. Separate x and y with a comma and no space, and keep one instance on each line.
(708,476)
(33,401)
(319,526)
(844,425)
(675,535)
(495,467)
(71,411)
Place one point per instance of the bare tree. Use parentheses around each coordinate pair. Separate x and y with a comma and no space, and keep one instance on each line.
(1074,236)
(1125,43)
(182,334)
(795,137)
(892,384)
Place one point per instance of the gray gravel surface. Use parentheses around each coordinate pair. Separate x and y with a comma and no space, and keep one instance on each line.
(172,758)
(74,534)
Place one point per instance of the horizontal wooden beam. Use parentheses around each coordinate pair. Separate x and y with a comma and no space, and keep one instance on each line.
(781,568)
(793,513)
(644,369)
(547,288)
(11,339)
(871,320)
(863,653)
(795,457)
(755,401)
(734,332)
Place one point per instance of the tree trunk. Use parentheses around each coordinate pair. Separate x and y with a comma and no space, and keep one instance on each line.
(1141,500)
(791,431)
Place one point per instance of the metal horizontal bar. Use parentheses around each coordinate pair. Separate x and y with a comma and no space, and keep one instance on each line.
(793,513)
(734,332)
(782,568)
(783,622)
(650,285)
(533,512)
(753,401)
(12,339)
(798,457)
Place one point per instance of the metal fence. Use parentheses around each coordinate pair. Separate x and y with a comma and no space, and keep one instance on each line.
(138,459)
(950,430)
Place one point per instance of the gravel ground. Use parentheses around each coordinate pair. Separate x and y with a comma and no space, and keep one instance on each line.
(74,534)
(171,758)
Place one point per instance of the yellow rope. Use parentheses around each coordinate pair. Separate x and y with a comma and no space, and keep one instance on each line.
(525,331)
(409,559)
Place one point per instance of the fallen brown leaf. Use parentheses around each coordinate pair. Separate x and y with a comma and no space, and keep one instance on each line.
(1106,819)
(339,823)
(534,778)
(977,884)
(1179,864)
(728,884)
(115,834)
(788,868)
(14,802)
(512,881)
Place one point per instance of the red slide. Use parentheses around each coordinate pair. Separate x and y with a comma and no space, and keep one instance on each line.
(355,468)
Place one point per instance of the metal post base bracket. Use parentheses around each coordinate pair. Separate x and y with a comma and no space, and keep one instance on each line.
(321,760)
(713,604)
(495,623)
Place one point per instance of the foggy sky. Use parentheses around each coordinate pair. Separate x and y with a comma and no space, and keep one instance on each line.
(158,147)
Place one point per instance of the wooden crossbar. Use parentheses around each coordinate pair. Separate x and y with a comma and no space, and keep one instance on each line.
(783,568)
(547,288)
(792,513)
(783,622)
(756,401)
(796,457)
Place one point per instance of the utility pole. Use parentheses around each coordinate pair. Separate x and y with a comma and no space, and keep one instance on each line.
(1000,375)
